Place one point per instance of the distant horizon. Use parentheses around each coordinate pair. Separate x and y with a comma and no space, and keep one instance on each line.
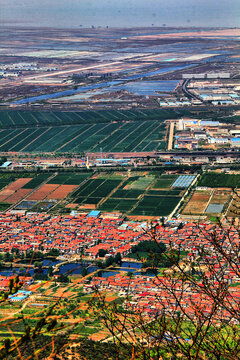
(14,25)
(121,13)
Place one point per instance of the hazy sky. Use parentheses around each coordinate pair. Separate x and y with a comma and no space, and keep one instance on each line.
(73,13)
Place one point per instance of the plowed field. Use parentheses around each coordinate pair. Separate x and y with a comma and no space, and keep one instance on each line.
(61,192)
(43,192)
(20,194)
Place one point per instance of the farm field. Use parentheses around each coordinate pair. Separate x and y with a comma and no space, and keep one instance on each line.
(61,192)
(115,137)
(25,118)
(214,180)
(156,205)
(208,202)
(198,202)
(14,188)
(164,182)
(233,211)
(69,178)
(136,196)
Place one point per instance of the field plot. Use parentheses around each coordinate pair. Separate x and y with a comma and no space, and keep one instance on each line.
(116,131)
(116,137)
(220,180)
(95,190)
(214,209)
(26,205)
(43,206)
(164,181)
(36,181)
(14,192)
(7,178)
(18,195)
(118,205)
(234,209)
(69,178)
(50,118)
(137,196)
(198,202)
(141,183)
(61,192)
(156,205)
(44,191)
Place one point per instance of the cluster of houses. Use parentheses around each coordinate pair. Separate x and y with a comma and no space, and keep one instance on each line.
(74,234)
(86,234)
(193,133)
(151,296)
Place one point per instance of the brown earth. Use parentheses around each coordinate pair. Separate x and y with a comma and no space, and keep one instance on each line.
(43,192)
(61,192)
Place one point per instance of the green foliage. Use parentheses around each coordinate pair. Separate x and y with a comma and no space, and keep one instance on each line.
(213,179)
(149,246)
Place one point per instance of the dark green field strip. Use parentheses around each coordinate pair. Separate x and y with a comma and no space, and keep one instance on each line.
(59,179)
(95,189)
(105,134)
(90,139)
(8,135)
(53,144)
(139,137)
(4,206)
(86,189)
(91,200)
(220,180)
(36,181)
(164,192)
(123,205)
(156,205)
(4,183)
(105,188)
(155,135)
(79,199)
(46,134)
(76,144)
(47,142)
(69,178)
(15,139)
(127,194)
(26,139)
(125,143)
(74,132)
(108,144)
(77,179)
(164,182)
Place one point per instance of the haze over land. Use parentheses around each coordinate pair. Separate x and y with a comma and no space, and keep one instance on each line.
(123,13)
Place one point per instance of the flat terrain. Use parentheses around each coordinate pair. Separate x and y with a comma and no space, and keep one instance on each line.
(116,131)
(139,194)
(108,68)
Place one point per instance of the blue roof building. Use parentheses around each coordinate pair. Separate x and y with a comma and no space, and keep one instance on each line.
(94,213)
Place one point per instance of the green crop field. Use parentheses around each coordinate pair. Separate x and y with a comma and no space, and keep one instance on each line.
(49,118)
(69,178)
(36,181)
(84,131)
(123,205)
(164,182)
(220,180)
(94,190)
(141,183)
(156,205)
(116,137)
